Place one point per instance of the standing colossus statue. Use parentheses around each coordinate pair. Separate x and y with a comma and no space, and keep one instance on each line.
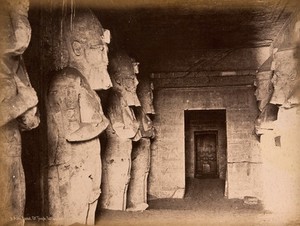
(18,111)
(75,119)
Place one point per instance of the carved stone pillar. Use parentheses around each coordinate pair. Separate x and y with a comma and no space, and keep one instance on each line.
(18,102)
(123,129)
(75,119)
(137,191)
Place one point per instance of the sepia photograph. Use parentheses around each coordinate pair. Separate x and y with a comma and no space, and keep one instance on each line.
(150,112)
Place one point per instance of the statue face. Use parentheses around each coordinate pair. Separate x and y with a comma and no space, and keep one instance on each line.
(135,67)
(264,88)
(285,77)
(87,46)
(123,71)
(20,6)
(97,60)
(129,81)
(129,84)
(17,28)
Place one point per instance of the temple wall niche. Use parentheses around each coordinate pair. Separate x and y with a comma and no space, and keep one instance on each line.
(167,173)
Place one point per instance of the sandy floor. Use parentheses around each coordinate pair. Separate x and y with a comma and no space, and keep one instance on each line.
(204,204)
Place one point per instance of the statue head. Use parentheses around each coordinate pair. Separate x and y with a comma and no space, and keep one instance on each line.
(123,75)
(145,94)
(264,88)
(15,29)
(285,76)
(86,42)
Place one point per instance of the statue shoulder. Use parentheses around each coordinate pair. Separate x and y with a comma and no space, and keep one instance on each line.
(66,77)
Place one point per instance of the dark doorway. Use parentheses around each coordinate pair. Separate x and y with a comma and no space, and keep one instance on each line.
(206,154)
(205,143)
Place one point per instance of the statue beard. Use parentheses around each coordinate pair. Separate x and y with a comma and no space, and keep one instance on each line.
(146,99)
(99,78)
(131,98)
(148,108)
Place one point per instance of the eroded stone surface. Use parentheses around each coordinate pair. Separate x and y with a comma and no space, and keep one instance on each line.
(18,102)
(122,130)
(285,77)
(280,146)
(137,190)
(75,119)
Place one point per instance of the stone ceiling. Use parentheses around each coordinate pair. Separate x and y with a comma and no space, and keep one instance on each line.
(150,28)
(197,24)
(154,28)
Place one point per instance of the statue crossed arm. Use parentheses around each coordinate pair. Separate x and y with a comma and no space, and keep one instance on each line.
(73,109)
(122,118)
(15,99)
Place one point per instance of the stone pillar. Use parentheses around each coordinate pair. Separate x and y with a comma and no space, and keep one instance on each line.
(137,192)
(123,129)
(280,144)
(18,109)
(75,119)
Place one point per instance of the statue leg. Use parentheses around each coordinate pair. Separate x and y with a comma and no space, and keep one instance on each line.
(12,191)
(116,174)
(96,191)
(58,185)
(137,192)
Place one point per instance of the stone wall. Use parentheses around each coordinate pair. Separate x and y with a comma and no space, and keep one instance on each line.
(210,59)
(167,174)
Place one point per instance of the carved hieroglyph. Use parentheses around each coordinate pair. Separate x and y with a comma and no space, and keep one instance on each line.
(18,108)
(75,119)
(122,130)
(137,190)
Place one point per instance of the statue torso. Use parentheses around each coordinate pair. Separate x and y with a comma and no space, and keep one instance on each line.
(70,102)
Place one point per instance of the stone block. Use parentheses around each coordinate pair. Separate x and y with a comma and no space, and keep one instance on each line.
(244,179)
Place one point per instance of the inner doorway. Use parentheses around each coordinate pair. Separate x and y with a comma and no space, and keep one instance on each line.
(205,153)
(206,165)
(205,143)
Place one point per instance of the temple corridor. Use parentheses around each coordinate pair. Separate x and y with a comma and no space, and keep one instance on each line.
(153,112)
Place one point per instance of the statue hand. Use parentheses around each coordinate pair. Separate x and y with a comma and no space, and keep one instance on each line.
(137,136)
(29,120)
(94,195)
(153,133)
(27,93)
